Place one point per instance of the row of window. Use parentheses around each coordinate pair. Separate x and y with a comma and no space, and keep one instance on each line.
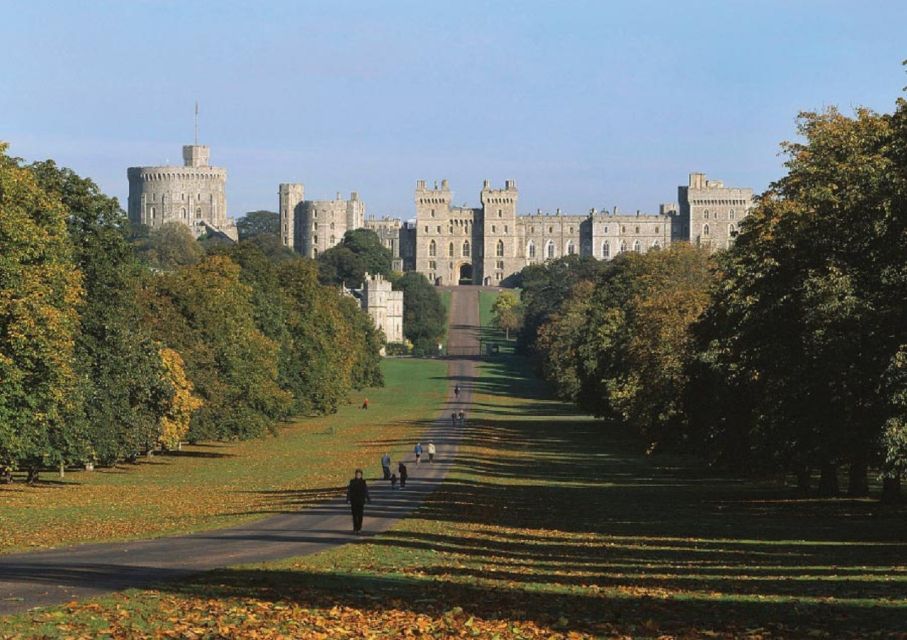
(731,215)
(198,197)
(708,201)
(183,213)
(731,229)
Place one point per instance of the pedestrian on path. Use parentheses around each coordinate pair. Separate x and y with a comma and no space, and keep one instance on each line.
(453,418)
(431,451)
(462,417)
(394,481)
(357,495)
(457,391)
(365,404)
(401,469)
(386,465)
(418,451)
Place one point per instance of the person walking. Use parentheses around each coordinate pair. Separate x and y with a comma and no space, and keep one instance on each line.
(386,465)
(457,391)
(431,451)
(453,418)
(462,417)
(357,495)
(418,451)
(365,404)
(401,469)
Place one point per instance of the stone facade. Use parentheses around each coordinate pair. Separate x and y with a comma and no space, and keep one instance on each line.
(384,305)
(313,226)
(193,194)
(485,245)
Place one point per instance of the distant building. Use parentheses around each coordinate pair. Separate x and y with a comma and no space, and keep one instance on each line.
(384,305)
(485,245)
(193,194)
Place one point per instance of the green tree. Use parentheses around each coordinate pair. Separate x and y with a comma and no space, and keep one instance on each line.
(40,291)
(358,253)
(122,376)
(168,247)
(258,223)
(508,314)
(424,316)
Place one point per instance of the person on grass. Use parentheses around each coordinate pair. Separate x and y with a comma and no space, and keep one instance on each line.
(357,496)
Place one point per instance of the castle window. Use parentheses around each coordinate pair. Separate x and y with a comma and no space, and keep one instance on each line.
(332,226)
(570,248)
(314,238)
(494,229)
(439,228)
(499,251)
(656,229)
(432,249)
(426,228)
(623,229)
(466,249)
(450,250)
(530,250)
(705,214)
(314,252)
(637,229)
(505,229)
(605,229)
(550,229)
(432,213)
(531,229)
(731,215)
(333,241)
(623,246)
(656,245)
(705,229)
(731,229)
(549,250)
(500,213)
(432,265)
(153,213)
(198,212)
(606,249)
(571,229)
(500,265)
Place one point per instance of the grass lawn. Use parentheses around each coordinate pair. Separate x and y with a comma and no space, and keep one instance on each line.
(553,526)
(490,335)
(218,484)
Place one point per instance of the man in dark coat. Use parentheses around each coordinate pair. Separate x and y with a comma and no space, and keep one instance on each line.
(403,475)
(357,496)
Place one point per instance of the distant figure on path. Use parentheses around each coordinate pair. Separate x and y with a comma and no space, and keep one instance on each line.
(453,418)
(365,404)
(401,469)
(431,451)
(462,417)
(357,496)
(386,466)
(418,451)
(394,481)
(457,391)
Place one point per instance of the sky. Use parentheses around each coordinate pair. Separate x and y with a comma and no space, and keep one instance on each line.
(583,104)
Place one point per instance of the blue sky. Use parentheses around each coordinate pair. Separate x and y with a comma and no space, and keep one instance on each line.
(584,104)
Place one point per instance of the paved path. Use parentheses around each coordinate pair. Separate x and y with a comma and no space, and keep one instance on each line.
(51,577)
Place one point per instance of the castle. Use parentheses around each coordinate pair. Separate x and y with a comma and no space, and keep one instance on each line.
(457,245)
(193,194)
(384,305)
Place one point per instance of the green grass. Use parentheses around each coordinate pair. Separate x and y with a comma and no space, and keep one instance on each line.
(551,522)
(218,484)
(491,336)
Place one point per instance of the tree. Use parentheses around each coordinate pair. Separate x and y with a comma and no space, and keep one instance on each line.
(508,315)
(40,291)
(182,404)
(168,247)
(123,381)
(359,252)
(258,223)
(424,316)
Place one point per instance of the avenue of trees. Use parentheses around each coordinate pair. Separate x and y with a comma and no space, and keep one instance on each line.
(786,353)
(116,341)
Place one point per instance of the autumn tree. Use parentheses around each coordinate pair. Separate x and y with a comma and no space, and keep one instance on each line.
(167,247)
(424,315)
(508,314)
(40,291)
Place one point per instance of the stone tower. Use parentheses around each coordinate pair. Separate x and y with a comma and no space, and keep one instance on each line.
(193,194)
(501,247)
(291,197)
(710,213)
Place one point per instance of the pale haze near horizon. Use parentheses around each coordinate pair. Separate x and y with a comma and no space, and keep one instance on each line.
(584,104)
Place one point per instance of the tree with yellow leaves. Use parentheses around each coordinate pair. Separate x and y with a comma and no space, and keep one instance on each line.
(175,422)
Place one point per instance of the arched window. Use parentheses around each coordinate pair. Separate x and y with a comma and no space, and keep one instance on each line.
(731,214)
(606,249)
(549,250)
(450,250)
(731,229)
(466,248)
(499,251)
(705,214)
(623,246)
(432,249)
(530,250)
(198,212)
(637,228)
(570,248)
(432,213)
(636,246)
(705,229)
(656,245)
(153,212)
(183,212)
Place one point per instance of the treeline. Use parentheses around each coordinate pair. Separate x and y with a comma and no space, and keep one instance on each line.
(115,341)
(786,353)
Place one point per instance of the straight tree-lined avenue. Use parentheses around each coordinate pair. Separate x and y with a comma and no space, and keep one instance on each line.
(52,577)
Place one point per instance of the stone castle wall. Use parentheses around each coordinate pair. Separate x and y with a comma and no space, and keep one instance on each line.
(311,227)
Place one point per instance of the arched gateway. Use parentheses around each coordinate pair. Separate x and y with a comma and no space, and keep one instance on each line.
(465,274)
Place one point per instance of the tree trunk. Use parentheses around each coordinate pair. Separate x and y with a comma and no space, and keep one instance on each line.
(6,475)
(858,479)
(62,470)
(891,489)
(32,477)
(803,480)
(828,481)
